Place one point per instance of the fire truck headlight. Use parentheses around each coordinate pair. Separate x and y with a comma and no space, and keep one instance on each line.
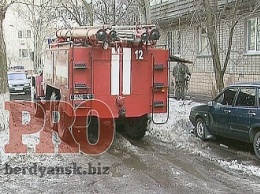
(154,35)
(144,36)
(112,35)
(101,35)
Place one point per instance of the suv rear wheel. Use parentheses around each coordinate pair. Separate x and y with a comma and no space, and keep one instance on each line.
(256,144)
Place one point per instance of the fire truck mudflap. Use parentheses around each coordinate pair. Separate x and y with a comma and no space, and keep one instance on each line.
(119,68)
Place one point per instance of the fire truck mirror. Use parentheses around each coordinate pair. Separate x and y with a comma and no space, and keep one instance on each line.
(101,35)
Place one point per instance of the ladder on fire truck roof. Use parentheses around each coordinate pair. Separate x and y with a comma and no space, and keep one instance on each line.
(107,34)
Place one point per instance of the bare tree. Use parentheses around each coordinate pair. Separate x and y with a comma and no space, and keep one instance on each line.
(4,94)
(116,12)
(145,11)
(80,11)
(213,17)
(3,61)
(40,19)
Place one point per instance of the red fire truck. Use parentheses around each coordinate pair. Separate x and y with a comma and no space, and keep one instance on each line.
(120,66)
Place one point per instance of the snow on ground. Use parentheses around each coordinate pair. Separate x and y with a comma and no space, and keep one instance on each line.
(3,113)
(250,169)
(178,128)
(178,132)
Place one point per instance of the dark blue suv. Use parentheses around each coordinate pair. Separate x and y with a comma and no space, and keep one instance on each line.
(234,113)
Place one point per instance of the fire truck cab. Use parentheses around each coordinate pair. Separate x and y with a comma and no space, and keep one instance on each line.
(120,66)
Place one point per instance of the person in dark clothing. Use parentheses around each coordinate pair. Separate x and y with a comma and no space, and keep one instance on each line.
(182,76)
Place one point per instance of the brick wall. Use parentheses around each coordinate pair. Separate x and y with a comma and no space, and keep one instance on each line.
(242,66)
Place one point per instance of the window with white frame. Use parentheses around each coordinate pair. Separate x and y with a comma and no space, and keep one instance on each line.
(24,33)
(24,53)
(174,42)
(204,47)
(28,34)
(20,34)
(253,35)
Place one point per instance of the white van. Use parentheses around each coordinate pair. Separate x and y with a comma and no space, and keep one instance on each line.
(18,82)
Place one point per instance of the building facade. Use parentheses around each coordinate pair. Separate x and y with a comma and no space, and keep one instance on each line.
(27,28)
(182,25)
(19,40)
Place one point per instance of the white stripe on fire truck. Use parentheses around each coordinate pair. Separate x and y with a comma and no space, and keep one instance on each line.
(127,57)
(48,63)
(115,72)
(48,68)
(62,71)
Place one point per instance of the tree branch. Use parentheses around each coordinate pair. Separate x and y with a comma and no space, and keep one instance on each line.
(231,33)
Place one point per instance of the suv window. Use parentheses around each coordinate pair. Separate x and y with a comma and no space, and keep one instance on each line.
(258,91)
(246,97)
(227,97)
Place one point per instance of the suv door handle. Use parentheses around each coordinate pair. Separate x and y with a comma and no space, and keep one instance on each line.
(227,111)
(251,114)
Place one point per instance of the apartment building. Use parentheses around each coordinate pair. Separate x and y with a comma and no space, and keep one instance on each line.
(183,30)
(27,27)
(19,40)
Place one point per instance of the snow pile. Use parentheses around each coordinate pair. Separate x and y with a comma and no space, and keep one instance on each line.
(4,138)
(177,124)
(4,125)
(234,165)
(177,131)
(4,115)
(178,128)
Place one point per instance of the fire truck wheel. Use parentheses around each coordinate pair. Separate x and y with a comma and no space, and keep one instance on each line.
(38,108)
(136,127)
(63,127)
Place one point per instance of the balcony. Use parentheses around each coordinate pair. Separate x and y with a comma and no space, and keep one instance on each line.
(169,12)
(172,12)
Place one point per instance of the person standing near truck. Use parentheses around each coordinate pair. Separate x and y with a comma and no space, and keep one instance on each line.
(182,76)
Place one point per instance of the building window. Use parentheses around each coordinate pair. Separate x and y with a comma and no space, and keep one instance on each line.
(24,34)
(29,34)
(174,42)
(204,47)
(253,35)
(23,53)
(20,34)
